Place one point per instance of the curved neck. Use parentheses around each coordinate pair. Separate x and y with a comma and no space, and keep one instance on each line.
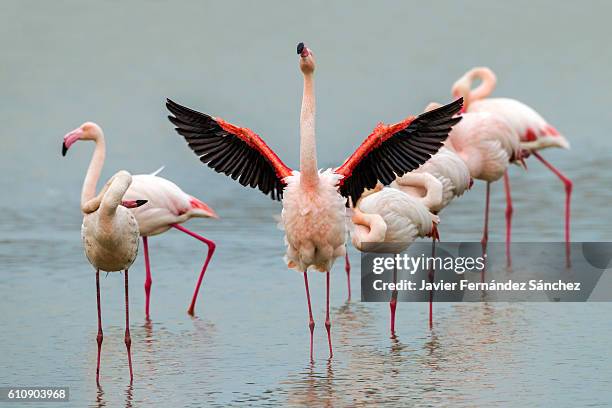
(308,149)
(113,195)
(93,171)
(487,85)
(368,228)
(424,181)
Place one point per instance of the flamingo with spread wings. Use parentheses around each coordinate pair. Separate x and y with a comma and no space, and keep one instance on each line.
(314,202)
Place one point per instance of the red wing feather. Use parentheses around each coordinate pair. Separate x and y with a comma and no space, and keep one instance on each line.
(391,151)
(229,149)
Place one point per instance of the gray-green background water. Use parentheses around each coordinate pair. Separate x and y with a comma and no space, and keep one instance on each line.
(62,63)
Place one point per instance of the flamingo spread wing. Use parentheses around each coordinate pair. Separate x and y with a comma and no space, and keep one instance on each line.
(392,151)
(232,150)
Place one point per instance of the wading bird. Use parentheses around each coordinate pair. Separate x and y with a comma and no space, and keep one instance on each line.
(168,206)
(534,132)
(453,175)
(314,201)
(387,220)
(110,237)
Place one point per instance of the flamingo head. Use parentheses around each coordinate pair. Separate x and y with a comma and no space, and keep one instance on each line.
(307,62)
(87,131)
(133,203)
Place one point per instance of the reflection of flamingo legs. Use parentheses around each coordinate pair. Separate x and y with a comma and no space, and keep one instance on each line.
(568,195)
(509,211)
(211,249)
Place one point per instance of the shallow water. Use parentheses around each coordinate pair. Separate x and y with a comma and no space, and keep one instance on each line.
(64,63)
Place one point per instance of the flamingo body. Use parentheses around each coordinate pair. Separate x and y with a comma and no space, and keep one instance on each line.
(486,143)
(533,130)
(404,219)
(314,222)
(450,170)
(110,233)
(167,204)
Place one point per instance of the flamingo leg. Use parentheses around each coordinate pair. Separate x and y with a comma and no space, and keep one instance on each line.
(148,280)
(347,268)
(211,250)
(393,302)
(509,211)
(485,233)
(327,321)
(128,339)
(311,323)
(568,194)
(431,274)
(100,336)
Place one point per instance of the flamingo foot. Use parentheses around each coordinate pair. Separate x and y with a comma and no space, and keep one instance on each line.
(148,279)
(568,196)
(128,339)
(100,335)
(347,268)
(211,250)
(509,212)
(327,321)
(311,323)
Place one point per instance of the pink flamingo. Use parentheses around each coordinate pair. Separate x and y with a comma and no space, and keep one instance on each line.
(168,205)
(314,201)
(487,145)
(109,233)
(387,220)
(534,132)
(454,177)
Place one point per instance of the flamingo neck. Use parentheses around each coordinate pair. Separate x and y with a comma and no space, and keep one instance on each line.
(113,195)
(368,228)
(93,171)
(487,85)
(309,175)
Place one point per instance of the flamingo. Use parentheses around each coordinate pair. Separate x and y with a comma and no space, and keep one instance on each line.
(487,145)
(110,237)
(313,214)
(168,205)
(387,220)
(534,131)
(454,176)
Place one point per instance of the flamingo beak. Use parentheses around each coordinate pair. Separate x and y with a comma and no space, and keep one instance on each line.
(70,138)
(302,50)
(471,183)
(133,203)
(202,208)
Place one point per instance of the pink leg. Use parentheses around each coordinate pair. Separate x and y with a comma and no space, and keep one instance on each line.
(568,194)
(311,323)
(432,272)
(509,211)
(148,280)
(327,321)
(128,339)
(347,268)
(100,336)
(393,303)
(485,233)
(211,250)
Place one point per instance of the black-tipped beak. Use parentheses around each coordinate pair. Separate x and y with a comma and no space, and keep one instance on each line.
(64,149)
(300,48)
(140,202)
